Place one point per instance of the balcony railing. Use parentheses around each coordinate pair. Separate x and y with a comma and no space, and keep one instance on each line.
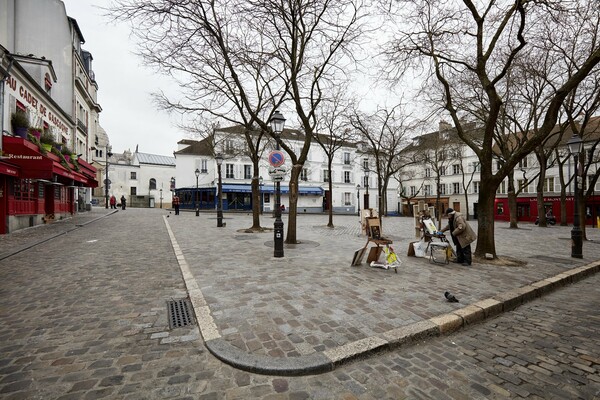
(82,127)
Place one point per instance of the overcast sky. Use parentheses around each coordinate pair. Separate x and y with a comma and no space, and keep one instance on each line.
(124,86)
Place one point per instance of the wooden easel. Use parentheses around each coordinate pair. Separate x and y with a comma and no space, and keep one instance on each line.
(375,236)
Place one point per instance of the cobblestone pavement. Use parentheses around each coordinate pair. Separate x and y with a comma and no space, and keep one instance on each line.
(91,322)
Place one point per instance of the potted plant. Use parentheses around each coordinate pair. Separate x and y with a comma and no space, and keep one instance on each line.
(47,140)
(20,124)
(35,132)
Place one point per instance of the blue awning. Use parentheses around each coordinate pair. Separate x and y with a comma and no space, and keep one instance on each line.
(270,188)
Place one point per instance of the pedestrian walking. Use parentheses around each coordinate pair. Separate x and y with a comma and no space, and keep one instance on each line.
(176,204)
(113,202)
(462,236)
(123,202)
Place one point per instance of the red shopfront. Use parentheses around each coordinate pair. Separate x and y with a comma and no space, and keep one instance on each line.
(527,209)
(43,190)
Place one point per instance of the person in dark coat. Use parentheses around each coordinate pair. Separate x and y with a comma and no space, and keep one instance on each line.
(123,202)
(462,236)
(176,203)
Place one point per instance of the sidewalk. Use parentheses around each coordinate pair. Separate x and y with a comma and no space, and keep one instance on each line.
(304,313)
(310,311)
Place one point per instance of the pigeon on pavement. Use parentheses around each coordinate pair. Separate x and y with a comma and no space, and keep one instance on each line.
(450,297)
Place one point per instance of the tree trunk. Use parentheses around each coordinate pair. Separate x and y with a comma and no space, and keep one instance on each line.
(512,202)
(256,200)
(330,185)
(512,210)
(485,230)
(540,198)
(293,207)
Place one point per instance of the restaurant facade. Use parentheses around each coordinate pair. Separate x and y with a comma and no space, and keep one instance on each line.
(38,184)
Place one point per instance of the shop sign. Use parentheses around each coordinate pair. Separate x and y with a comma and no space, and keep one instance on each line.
(37,106)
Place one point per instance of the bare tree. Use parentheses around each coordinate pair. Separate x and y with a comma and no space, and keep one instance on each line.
(478,42)
(385,133)
(334,133)
(241,59)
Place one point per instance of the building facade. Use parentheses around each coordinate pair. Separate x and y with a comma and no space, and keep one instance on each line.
(237,175)
(143,179)
(40,47)
(452,171)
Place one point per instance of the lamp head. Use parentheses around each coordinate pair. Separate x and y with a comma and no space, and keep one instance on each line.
(575,144)
(277,122)
(197,172)
(219,159)
(358,187)
(367,171)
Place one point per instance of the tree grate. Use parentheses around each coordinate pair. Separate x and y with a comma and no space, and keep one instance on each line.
(179,313)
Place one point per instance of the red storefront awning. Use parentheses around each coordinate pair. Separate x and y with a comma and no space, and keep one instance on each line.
(8,169)
(36,165)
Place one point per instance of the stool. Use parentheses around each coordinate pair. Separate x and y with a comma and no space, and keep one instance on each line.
(438,252)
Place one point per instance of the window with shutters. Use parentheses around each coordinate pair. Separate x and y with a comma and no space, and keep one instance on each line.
(229,171)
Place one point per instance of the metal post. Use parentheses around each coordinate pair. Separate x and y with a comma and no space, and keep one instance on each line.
(161,198)
(106,181)
(220,199)
(260,184)
(277,124)
(196,198)
(576,233)
(278,224)
(358,199)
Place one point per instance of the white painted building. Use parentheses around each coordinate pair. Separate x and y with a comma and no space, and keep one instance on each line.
(237,174)
(144,179)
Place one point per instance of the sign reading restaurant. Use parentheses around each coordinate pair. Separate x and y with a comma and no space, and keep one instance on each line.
(28,97)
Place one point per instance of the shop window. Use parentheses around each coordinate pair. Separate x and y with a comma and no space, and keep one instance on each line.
(23,189)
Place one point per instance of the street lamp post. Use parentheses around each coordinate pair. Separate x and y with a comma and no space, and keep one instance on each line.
(358,199)
(196,205)
(575,147)
(260,184)
(277,124)
(161,198)
(106,181)
(219,159)
(367,170)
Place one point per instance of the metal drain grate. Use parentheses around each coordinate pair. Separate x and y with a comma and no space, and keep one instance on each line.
(179,313)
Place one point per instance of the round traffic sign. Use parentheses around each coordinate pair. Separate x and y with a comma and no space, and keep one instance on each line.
(276,158)
(107,181)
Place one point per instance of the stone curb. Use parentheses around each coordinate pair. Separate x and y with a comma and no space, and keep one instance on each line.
(331,358)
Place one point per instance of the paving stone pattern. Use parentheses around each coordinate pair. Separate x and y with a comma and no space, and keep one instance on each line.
(90,322)
(312,300)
